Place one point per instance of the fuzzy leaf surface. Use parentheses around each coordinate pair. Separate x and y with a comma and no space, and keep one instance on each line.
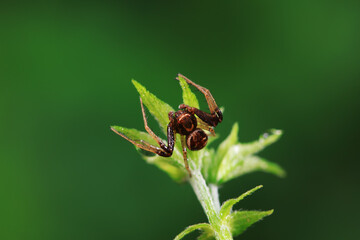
(240,220)
(135,134)
(189,98)
(158,109)
(221,152)
(264,140)
(206,235)
(227,206)
(234,165)
(238,159)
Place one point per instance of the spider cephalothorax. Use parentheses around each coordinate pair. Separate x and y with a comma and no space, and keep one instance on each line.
(185,123)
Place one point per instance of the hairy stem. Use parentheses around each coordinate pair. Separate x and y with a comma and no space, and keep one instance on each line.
(209,200)
(214,190)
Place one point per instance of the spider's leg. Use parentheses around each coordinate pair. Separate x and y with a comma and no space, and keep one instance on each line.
(205,126)
(183,146)
(209,98)
(144,145)
(210,119)
(170,134)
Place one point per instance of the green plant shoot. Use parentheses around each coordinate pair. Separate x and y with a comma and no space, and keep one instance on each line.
(210,168)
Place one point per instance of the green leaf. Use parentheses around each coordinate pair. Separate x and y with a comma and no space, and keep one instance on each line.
(228,142)
(235,165)
(221,152)
(135,134)
(173,168)
(239,159)
(199,226)
(265,140)
(241,220)
(189,97)
(255,163)
(227,206)
(207,160)
(158,109)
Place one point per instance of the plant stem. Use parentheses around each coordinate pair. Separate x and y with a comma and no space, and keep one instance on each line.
(209,200)
(214,190)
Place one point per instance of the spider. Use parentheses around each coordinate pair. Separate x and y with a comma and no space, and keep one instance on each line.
(185,123)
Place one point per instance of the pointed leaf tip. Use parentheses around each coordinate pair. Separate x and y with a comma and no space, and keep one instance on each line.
(264,140)
(158,109)
(133,134)
(241,220)
(189,98)
(269,137)
(227,206)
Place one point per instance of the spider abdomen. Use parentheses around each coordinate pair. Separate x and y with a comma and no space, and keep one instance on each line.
(186,122)
(196,140)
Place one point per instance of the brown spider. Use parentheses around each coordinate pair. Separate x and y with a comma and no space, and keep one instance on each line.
(184,123)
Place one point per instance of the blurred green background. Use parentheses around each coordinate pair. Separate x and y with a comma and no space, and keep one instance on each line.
(65,70)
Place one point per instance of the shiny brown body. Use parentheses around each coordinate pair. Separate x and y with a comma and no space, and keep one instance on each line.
(185,123)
